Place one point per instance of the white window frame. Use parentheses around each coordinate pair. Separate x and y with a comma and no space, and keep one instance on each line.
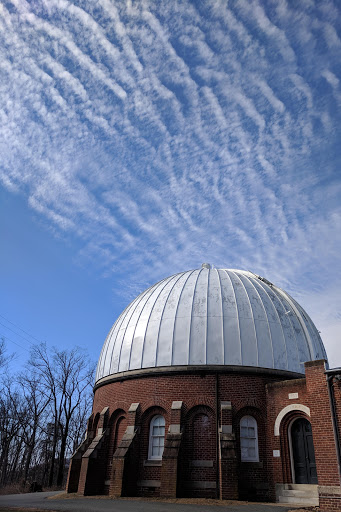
(161,423)
(249,422)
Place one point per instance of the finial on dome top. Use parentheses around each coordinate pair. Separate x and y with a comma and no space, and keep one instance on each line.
(206,265)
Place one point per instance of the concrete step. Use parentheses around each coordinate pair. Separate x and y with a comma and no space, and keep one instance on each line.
(300,487)
(308,502)
(299,494)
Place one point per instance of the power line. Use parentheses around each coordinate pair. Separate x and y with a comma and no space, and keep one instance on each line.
(17,334)
(16,325)
(15,343)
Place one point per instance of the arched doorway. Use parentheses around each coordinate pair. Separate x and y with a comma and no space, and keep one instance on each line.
(197,461)
(303,454)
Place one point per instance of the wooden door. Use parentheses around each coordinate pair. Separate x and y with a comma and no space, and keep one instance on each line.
(303,452)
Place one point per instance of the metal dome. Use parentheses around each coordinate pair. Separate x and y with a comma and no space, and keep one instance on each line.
(211,317)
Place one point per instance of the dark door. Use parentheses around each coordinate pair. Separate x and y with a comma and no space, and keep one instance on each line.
(303,452)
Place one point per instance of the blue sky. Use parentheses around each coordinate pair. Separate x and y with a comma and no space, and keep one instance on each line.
(139,139)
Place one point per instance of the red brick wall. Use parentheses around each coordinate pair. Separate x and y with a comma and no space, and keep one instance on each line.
(321,421)
(149,472)
(199,444)
(261,395)
(253,476)
(117,426)
(312,393)
(277,396)
(156,394)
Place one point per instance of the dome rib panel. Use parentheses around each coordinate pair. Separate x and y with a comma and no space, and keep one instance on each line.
(289,315)
(126,345)
(150,338)
(232,346)
(268,348)
(110,336)
(182,324)
(281,358)
(207,317)
(166,335)
(190,273)
(222,315)
(299,315)
(177,277)
(291,347)
(142,323)
(318,349)
(139,342)
(239,339)
(214,324)
(249,322)
(123,328)
(291,338)
(262,296)
(191,349)
(119,325)
(197,338)
(211,317)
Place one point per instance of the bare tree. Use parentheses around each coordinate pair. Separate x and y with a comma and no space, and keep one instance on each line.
(12,412)
(75,376)
(2,352)
(36,400)
(43,413)
(4,357)
(44,367)
(78,423)
(65,377)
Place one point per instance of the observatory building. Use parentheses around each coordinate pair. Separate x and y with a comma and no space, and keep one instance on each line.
(213,383)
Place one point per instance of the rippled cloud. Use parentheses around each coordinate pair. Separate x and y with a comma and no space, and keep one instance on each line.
(162,134)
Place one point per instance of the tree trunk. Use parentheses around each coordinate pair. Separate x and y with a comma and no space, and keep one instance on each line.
(53,455)
(29,456)
(62,454)
(4,465)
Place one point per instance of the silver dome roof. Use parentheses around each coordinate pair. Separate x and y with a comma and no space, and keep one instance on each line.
(211,317)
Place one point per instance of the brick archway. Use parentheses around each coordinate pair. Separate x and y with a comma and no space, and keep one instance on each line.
(285,441)
(286,410)
(198,456)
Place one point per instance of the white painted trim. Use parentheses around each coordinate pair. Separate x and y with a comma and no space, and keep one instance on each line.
(291,452)
(254,424)
(150,448)
(286,410)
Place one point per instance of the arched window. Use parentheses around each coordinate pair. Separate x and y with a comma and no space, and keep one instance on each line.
(156,437)
(248,439)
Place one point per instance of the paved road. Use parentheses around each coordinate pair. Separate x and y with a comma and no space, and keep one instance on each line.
(38,500)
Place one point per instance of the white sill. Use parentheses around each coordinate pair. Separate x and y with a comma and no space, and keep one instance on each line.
(152,462)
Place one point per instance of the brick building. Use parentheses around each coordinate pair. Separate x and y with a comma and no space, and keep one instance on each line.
(213,383)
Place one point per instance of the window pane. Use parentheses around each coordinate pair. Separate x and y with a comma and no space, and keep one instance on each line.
(248,439)
(244,453)
(156,437)
(251,432)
